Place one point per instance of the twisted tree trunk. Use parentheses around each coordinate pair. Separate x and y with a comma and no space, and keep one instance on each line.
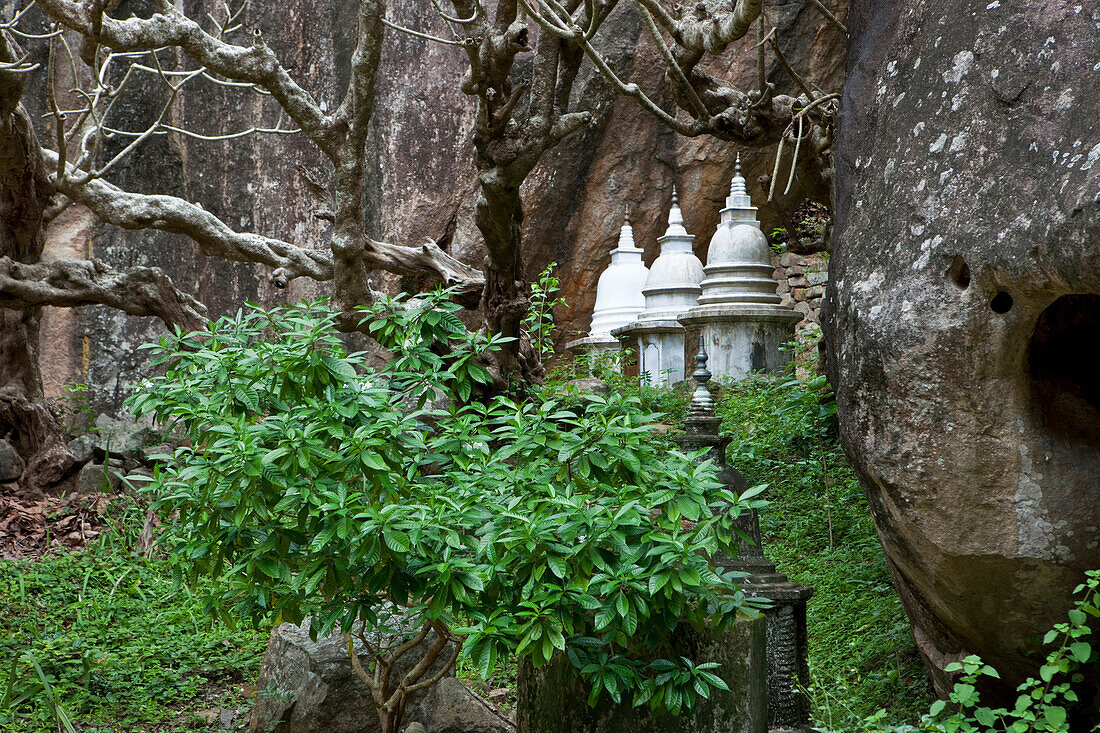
(25,418)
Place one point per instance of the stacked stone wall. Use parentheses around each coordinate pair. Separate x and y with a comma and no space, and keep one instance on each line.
(801,281)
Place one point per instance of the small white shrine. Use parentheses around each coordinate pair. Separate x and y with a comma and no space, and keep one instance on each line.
(671,289)
(619,297)
(742,325)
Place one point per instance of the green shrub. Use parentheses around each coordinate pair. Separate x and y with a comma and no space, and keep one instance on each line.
(314,486)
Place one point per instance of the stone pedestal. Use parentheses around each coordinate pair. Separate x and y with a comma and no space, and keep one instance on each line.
(593,350)
(660,350)
(743,338)
(554,700)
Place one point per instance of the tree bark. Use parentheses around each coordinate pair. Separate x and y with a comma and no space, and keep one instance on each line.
(25,417)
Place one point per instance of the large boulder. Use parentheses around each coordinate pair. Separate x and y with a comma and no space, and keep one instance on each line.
(964,323)
(309,686)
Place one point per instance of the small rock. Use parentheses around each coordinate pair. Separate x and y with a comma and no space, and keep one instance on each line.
(498,695)
(160,449)
(454,709)
(783,287)
(123,438)
(82,447)
(11,465)
(589,385)
(94,478)
(817,278)
(815,303)
(796,270)
(799,293)
(779,273)
(208,716)
(815,291)
(798,281)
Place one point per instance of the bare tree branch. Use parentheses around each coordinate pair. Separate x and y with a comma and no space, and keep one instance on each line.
(139,291)
(710,26)
(172,214)
(255,64)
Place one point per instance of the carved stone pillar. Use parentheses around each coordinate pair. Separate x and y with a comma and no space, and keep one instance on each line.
(786,645)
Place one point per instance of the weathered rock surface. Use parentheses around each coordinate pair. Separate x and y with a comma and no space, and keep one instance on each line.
(308,686)
(452,708)
(94,478)
(965,311)
(123,438)
(82,447)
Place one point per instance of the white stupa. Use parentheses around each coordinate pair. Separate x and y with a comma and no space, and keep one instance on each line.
(619,297)
(742,324)
(671,288)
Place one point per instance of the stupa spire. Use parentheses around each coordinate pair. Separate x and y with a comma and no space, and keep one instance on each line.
(626,235)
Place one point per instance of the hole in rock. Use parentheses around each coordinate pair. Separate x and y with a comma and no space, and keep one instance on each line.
(959,272)
(1062,361)
(1001,303)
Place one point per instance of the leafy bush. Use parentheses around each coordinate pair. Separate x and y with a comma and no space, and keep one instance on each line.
(315,486)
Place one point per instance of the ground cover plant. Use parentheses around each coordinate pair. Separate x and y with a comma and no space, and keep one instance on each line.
(315,486)
(102,639)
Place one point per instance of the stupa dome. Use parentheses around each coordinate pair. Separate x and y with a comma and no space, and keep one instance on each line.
(738,259)
(619,297)
(673,283)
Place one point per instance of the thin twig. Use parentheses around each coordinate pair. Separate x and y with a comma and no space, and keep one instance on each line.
(794,160)
(829,15)
(418,34)
(775,168)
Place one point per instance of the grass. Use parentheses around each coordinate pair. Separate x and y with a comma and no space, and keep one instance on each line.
(103,640)
(819,531)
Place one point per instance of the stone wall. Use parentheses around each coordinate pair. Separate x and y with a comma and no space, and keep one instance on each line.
(802,280)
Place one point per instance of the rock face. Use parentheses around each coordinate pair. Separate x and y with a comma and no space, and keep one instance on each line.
(451,708)
(421,167)
(964,311)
